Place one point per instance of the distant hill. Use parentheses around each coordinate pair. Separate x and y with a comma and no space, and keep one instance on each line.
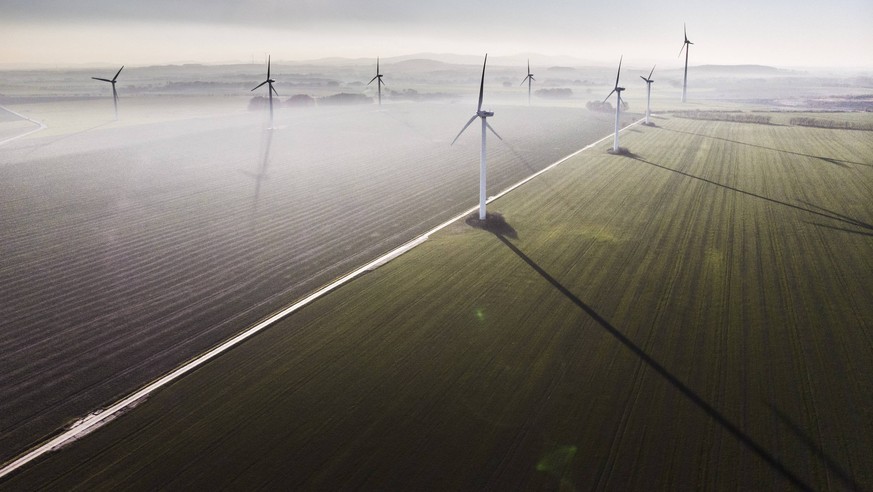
(744,69)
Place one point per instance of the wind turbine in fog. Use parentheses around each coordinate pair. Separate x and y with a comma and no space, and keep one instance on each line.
(649,82)
(685,45)
(114,93)
(270,90)
(379,84)
(528,79)
(483,115)
(617,90)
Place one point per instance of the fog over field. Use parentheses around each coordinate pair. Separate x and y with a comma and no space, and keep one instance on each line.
(130,249)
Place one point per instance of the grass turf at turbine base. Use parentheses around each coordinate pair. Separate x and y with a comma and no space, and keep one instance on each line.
(695,315)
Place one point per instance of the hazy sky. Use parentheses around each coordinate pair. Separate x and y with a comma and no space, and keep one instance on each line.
(137,32)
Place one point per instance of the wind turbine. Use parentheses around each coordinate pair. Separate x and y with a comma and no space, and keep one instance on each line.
(685,47)
(483,115)
(617,90)
(270,90)
(379,84)
(528,79)
(114,93)
(649,82)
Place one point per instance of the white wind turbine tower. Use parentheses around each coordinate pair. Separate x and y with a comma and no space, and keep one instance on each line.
(528,79)
(685,45)
(617,90)
(114,93)
(270,90)
(649,82)
(379,84)
(483,115)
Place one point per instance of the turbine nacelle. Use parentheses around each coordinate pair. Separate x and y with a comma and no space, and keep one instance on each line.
(484,114)
(686,42)
(649,78)
(114,92)
(378,78)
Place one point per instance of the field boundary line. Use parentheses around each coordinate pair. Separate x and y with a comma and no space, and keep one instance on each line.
(98,418)
(42,126)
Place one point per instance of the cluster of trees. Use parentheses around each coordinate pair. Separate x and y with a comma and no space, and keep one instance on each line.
(414,95)
(258,103)
(822,123)
(737,117)
(599,106)
(605,106)
(554,93)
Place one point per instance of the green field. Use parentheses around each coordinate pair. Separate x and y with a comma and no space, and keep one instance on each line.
(696,315)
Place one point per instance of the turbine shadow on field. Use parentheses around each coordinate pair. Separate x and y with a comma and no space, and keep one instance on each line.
(843,229)
(829,160)
(829,215)
(831,464)
(657,367)
(837,216)
(493,223)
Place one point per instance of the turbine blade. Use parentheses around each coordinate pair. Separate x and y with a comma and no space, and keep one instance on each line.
(262,83)
(268,66)
(644,78)
(680,50)
(118,72)
(465,127)
(653,71)
(528,66)
(524,80)
(382,83)
(607,97)
(371,80)
(104,80)
(492,130)
(617,75)
(274,90)
(482,84)
(377,66)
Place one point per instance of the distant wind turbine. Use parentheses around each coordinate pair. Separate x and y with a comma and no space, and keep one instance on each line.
(270,90)
(379,84)
(528,79)
(114,93)
(649,82)
(617,90)
(685,45)
(483,115)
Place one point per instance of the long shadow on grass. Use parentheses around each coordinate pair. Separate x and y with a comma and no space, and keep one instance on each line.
(652,363)
(832,465)
(821,212)
(830,160)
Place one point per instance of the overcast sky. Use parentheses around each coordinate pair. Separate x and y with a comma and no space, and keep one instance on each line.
(800,33)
